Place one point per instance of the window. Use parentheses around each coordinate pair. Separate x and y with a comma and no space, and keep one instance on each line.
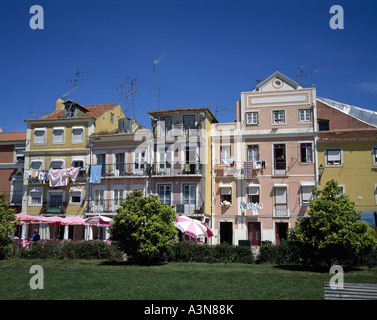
(57,164)
(36,164)
(304,115)
(111,117)
(306,153)
(225,195)
(120,163)
(189,197)
(188,121)
(333,156)
(75,195)
(253,194)
(281,206)
(20,154)
(342,188)
(69,110)
(98,197)
(77,135)
(165,125)
(139,159)
(118,196)
(279,159)
(224,153)
(101,160)
(35,196)
(78,163)
(39,136)
(164,193)
(58,135)
(306,194)
(252,118)
(253,153)
(324,125)
(374,155)
(278,116)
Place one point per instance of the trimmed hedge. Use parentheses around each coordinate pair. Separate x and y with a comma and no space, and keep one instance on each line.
(69,250)
(192,252)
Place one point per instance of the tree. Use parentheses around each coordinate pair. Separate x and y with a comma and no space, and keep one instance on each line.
(144,228)
(332,232)
(7,217)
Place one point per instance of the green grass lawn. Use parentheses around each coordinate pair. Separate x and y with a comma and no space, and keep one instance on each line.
(94,279)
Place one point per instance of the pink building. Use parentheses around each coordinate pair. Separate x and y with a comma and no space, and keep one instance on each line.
(264,163)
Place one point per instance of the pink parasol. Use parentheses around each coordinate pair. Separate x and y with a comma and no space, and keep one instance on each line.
(193,227)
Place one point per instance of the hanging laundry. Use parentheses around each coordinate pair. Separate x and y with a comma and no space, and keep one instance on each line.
(73,173)
(263,164)
(248,169)
(58,177)
(243,205)
(95,173)
(257,165)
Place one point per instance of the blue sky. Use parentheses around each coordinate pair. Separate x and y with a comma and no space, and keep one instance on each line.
(215,49)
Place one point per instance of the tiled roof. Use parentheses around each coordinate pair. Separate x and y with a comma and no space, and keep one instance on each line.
(95,110)
(12,136)
(366,134)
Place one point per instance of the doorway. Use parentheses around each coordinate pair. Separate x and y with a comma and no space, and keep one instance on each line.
(281,231)
(254,233)
(226,232)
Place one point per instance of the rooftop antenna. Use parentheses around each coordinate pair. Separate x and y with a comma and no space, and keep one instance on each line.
(155,62)
(121,91)
(301,73)
(35,113)
(69,92)
(313,72)
(158,94)
(131,93)
(76,78)
(217,108)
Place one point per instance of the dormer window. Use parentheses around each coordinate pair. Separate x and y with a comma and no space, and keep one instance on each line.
(69,110)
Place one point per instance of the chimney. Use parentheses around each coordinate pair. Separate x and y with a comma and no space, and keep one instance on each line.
(59,105)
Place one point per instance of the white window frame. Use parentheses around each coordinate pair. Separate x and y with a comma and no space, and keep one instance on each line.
(83,134)
(277,121)
(303,115)
(19,151)
(35,190)
(306,187)
(254,118)
(227,153)
(164,185)
(311,148)
(340,156)
(225,190)
(39,143)
(73,191)
(62,160)
(42,161)
(53,135)
(55,192)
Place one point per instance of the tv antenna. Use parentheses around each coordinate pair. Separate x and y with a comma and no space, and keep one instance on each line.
(155,62)
(77,78)
(313,72)
(159,95)
(35,113)
(69,92)
(130,93)
(301,73)
(217,108)
(121,91)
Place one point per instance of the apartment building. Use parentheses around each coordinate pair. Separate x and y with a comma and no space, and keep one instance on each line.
(57,159)
(347,152)
(264,163)
(181,160)
(12,147)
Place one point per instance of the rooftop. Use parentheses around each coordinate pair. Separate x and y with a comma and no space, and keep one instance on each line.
(12,136)
(348,135)
(178,110)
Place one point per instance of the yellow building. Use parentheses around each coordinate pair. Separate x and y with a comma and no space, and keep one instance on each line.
(347,153)
(60,141)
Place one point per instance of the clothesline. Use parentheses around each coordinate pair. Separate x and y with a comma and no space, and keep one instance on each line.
(253,207)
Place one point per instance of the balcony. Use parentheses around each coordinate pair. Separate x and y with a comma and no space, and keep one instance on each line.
(188,209)
(125,170)
(103,206)
(177,130)
(54,207)
(281,210)
(280,167)
(173,169)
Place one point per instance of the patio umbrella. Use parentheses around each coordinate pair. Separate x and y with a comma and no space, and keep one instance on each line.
(73,221)
(99,221)
(25,218)
(192,227)
(55,220)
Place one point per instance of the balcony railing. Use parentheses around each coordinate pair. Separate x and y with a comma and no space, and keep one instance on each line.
(145,169)
(281,210)
(177,130)
(104,206)
(188,209)
(167,168)
(280,167)
(54,207)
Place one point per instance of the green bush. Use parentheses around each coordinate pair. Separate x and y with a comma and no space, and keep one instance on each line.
(284,253)
(192,252)
(70,250)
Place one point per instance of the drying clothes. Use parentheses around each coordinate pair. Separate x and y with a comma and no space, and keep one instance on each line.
(257,165)
(58,177)
(263,164)
(243,205)
(73,173)
(248,169)
(95,173)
